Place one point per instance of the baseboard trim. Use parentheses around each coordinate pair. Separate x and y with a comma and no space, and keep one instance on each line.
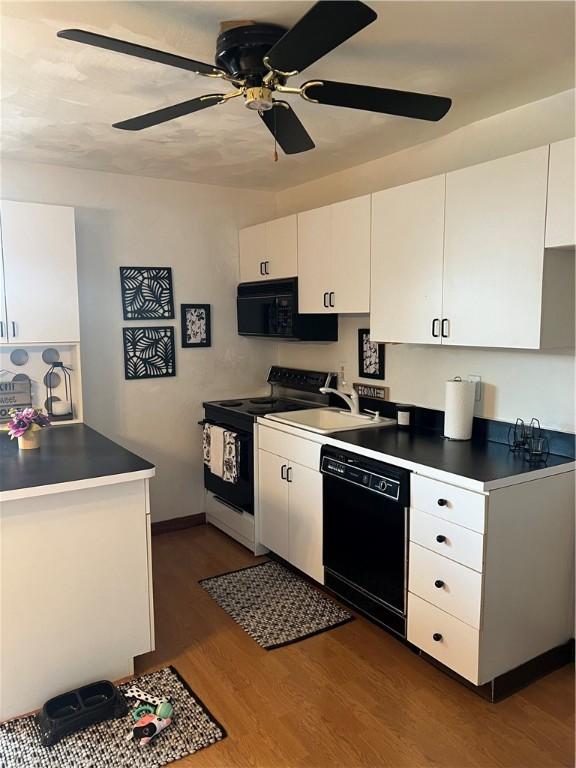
(178,523)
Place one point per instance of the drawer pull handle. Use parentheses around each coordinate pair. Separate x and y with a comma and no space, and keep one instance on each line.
(440,538)
(439,583)
(442,502)
(437,637)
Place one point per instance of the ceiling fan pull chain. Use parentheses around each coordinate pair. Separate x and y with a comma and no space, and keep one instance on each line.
(275,142)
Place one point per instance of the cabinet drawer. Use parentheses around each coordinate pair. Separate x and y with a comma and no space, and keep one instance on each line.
(449,502)
(457,645)
(449,585)
(297,449)
(458,543)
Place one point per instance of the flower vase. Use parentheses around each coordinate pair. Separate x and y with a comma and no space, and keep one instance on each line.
(29,440)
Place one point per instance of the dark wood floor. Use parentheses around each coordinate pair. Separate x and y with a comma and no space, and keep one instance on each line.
(350,697)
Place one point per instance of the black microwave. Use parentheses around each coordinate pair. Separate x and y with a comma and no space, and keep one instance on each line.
(270,308)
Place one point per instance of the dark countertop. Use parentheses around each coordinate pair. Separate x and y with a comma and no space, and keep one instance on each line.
(67,454)
(484,462)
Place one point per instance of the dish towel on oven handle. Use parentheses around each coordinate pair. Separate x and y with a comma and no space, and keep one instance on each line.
(231,467)
(221,452)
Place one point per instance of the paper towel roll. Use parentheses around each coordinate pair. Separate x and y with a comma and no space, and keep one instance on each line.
(459,409)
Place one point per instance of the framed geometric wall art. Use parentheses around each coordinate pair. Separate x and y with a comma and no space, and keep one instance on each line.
(195,325)
(149,353)
(147,293)
(370,356)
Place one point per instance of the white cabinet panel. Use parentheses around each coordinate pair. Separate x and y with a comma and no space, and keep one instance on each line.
(315,274)
(39,245)
(561,209)
(282,248)
(446,539)
(406,262)
(273,502)
(305,521)
(444,637)
(252,243)
(449,585)
(449,502)
(350,238)
(269,251)
(300,450)
(3,318)
(494,251)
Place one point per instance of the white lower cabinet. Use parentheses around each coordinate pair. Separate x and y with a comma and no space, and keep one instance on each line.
(290,502)
(305,520)
(447,639)
(477,602)
(273,504)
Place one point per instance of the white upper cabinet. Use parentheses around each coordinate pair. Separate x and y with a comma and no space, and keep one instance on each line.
(406,262)
(40,277)
(494,252)
(269,251)
(315,272)
(334,258)
(561,210)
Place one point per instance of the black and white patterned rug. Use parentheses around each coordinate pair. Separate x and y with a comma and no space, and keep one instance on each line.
(105,745)
(274,605)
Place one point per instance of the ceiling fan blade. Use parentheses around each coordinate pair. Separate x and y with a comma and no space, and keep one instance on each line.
(285,126)
(421,106)
(141,51)
(327,25)
(170,113)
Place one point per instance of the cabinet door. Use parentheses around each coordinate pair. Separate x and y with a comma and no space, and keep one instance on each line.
(3,319)
(350,237)
(494,252)
(406,262)
(252,244)
(305,521)
(39,247)
(560,213)
(282,248)
(315,270)
(273,502)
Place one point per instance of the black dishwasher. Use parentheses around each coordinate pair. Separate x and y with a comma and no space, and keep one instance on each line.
(365,534)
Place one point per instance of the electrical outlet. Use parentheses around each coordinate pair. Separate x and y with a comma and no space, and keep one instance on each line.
(342,374)
(478,380)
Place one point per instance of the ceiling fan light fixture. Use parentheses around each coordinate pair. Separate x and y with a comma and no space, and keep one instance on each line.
(259,99)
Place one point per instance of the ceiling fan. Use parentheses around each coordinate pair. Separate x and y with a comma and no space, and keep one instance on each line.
(257,59)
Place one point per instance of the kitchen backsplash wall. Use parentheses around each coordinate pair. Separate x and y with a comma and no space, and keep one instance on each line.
(516,383)
(124,220)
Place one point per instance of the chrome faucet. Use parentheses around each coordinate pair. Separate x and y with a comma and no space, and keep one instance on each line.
(351,400)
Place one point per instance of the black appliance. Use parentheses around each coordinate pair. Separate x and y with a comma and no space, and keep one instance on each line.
(239,415)
(270,308)
(366,534)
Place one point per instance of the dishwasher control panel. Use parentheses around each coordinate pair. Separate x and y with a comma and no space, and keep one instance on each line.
(352,470)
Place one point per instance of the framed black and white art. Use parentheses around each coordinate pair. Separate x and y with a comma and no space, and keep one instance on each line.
(370,356)
(147,293)
(149,353)
(195,321)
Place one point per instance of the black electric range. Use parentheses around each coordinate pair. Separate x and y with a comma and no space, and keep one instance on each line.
(291,390)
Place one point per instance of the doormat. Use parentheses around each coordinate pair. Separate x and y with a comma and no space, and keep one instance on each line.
(105,744)
(274,605)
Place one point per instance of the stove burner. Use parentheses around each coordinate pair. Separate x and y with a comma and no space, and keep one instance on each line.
(230,403)
(264,400)
(257,411)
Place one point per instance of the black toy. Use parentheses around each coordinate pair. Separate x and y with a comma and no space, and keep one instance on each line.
(77,709)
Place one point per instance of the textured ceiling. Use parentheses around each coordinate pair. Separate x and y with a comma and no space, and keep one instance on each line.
(59,98)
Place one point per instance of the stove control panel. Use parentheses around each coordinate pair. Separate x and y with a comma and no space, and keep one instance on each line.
(295,378)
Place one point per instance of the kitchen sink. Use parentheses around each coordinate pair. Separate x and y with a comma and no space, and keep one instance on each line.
(327,420)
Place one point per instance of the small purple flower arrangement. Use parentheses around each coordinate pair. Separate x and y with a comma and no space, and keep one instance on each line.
(27,419)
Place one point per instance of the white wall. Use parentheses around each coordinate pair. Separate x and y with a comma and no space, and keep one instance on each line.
(518,383)
(123,220)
